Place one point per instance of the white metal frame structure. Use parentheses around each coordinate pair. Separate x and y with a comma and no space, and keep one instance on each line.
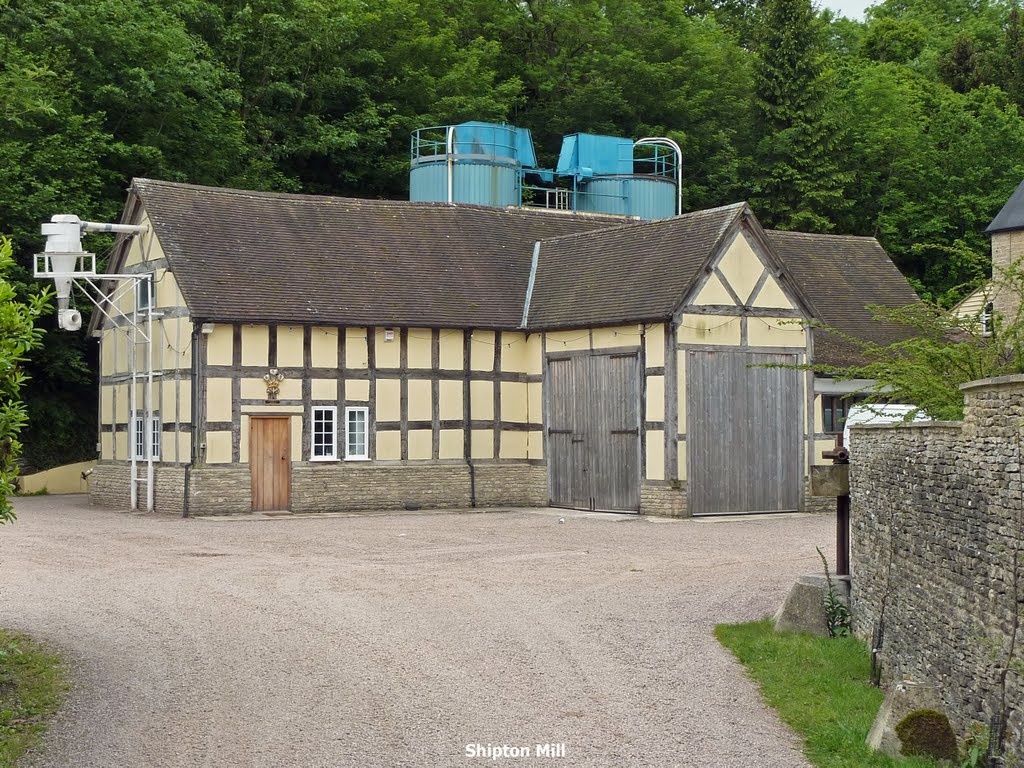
(667,142)
(64,262)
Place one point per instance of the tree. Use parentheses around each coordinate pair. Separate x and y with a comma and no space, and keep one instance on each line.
(18,335)
(959,65)
(798,183)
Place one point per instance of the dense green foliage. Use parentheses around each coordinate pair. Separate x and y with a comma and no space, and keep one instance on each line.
(18,335)
(819,686)
(907,126)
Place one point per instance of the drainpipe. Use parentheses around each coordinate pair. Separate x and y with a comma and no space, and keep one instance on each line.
(467,438)
(194,449)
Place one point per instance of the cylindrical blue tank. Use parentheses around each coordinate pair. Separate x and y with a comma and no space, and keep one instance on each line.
(484,182)
(647,197)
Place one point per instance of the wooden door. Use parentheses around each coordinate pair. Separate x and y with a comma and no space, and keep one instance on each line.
(744,426)
(594,431)
(270,462)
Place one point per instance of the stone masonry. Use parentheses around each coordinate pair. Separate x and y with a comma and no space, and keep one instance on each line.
(936,532)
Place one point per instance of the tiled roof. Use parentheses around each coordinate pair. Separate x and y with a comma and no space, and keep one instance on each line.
(267,257)
(839,276)
(629,273)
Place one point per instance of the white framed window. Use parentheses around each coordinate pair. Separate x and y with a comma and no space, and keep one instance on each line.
(356,425)
(142,297)
(324,445)
(139,437)
(986,318)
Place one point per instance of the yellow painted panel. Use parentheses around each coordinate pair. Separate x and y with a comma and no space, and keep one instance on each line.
(219,345)
(450,400)
(389,445)
(451,444)
(566,341)
(772,296)
(121,446)
(107,404)
(389,400)
(107,353)
(482,444)
(741,267)
(107,446)
(388,354)
(255,345)
(289,346)
(253,389)
(655,398)
(709,329)
(713,292)
(681,392)
(323,347)
(421,444)
(654,345)
(819,414)
(515,353)
(122,406)
(451,350)
(163,400)
(185,402)
(419,350)
(681,461)
(167,292)
(514,403)
(513,445)
(481,351)
(619,336)
(324,389)
(218,399)
(185,447)
(296,429)
(357,389)
(656,454)
(535,445)
(535,408)
(291,389)
(481,399)
(775,332)
(420,400)
(535,354)
(218,447)
(243,440)
(356,355)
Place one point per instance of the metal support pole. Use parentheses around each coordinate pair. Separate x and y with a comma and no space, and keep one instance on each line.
(133,399)
(150,490)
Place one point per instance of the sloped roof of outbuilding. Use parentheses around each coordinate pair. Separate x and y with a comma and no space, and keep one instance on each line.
(840,276)
(1011,215)
(630,273)
(269,257)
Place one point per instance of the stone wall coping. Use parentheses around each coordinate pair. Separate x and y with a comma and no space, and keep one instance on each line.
(995,381)
(910,425)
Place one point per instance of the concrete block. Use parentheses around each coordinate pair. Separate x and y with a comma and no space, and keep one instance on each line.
(904,697)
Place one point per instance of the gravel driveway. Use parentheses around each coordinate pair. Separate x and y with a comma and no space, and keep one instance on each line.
(398,640)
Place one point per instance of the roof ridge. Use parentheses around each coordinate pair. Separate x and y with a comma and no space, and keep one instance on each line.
(141,183)
(820,234)
(648,224)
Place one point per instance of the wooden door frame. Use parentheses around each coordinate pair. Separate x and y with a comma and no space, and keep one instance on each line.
(270,417)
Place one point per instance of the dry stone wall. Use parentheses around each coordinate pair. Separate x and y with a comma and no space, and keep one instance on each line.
(936,527)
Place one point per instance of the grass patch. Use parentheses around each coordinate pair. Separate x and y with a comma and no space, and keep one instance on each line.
(819,686)
(32,686)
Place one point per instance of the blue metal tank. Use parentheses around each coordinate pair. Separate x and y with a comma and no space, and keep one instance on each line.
(648,197)
(488,162)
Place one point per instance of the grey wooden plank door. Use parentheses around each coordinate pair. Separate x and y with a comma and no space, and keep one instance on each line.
(743,433)
(594,431)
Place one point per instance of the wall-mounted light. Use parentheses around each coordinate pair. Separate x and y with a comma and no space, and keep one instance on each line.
(206,328)
(389,334)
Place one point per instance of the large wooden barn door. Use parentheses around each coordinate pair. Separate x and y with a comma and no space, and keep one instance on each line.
(743,433)
(270,462)
(594,431)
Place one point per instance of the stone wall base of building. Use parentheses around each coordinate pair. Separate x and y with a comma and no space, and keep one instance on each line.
(663,501)
(335,487)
